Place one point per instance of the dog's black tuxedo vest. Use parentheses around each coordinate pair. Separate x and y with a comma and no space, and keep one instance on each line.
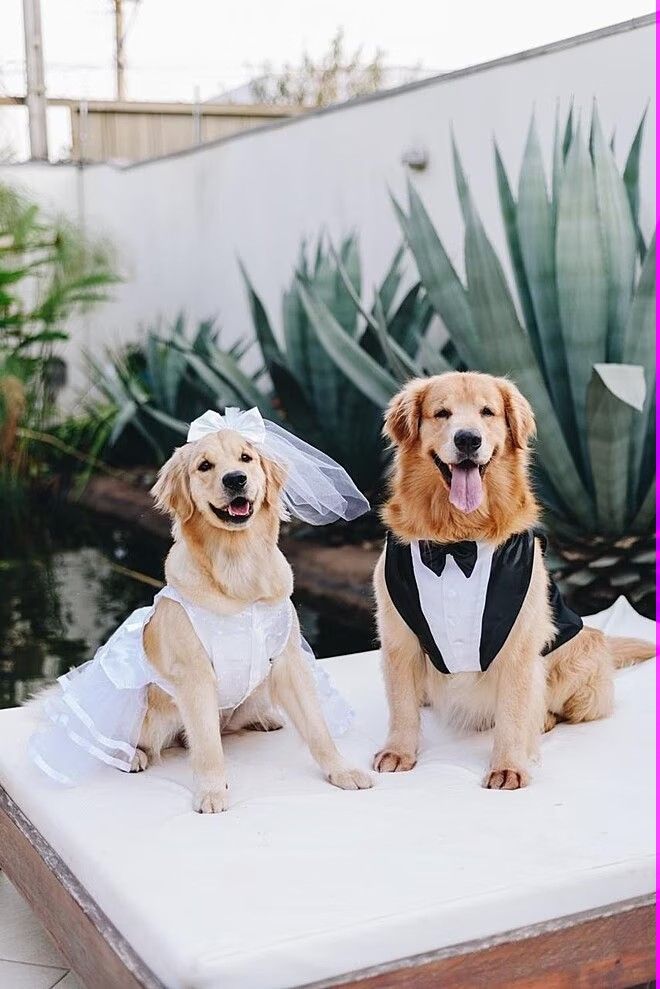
(462,599)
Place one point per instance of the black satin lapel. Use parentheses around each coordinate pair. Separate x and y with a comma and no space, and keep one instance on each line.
(402,588)
(510,574)
(565,620)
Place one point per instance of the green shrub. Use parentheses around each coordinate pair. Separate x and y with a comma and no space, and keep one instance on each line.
(49,270)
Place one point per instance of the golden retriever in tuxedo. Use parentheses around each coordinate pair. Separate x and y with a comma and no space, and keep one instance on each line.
(460,472)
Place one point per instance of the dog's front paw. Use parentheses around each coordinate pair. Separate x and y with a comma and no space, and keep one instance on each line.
(389,761)
(506,779)
(350,779)
(140,761)
(211,801)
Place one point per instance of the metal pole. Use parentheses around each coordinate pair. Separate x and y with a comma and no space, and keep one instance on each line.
(35,80)
(82,131)
(119,49)
(197,117)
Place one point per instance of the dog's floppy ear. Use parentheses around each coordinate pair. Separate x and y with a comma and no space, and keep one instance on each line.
(172,489)
(518,413)
(275,479)
(403,414)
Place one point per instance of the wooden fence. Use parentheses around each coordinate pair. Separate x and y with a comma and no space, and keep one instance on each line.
(107,130)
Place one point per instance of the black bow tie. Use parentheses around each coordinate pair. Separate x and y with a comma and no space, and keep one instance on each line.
(434,555)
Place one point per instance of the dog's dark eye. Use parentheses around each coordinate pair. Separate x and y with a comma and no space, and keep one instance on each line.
(486,411)
(246,458)
(442,414)
(205,465)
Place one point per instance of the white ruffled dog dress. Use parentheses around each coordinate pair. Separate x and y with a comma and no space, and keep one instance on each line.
(98,714)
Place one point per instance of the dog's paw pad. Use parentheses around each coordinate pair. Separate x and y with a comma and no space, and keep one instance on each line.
(350,779)
(506,779)
(140,761)
(388,761)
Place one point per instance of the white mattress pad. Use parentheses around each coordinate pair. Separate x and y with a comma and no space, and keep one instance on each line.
(299,881)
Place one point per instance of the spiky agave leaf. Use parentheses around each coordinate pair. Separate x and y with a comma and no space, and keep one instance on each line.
(581,278)
(409,324)
(445,289)
(390,285)
(509,210)
(615,397)
(631,180)
(371,379)
(536,229)
(375,339)
(402,367)
(639,348)
(618,238)
(319,372)
(160,385)
(292,396)
(506,349)
(270,348)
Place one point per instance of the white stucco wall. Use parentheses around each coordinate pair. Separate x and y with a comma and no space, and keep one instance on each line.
(180,223)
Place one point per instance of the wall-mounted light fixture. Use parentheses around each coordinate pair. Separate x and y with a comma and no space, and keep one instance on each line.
(415,157)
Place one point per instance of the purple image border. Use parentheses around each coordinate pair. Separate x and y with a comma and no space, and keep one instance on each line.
(657,445)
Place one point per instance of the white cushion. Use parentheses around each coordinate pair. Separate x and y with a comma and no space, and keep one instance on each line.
(299,881)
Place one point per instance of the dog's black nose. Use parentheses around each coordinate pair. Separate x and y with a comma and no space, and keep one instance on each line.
(234,480)
(467,441)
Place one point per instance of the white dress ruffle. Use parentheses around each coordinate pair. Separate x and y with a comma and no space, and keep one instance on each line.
(96,714)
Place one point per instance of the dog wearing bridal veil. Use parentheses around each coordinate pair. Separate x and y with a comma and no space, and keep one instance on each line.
(220,648)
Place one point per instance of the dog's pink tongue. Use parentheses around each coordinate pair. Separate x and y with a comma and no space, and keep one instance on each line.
(466,490)
(240,506)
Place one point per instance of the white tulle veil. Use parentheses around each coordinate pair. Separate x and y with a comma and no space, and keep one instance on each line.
(317,489)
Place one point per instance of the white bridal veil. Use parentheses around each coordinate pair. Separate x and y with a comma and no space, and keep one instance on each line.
(317,490)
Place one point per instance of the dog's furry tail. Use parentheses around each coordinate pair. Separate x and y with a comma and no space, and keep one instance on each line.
(626,651)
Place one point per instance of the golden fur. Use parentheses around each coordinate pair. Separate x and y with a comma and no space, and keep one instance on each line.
(522,693)
(224,567)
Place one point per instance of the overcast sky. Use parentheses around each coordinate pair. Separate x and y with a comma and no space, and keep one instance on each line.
(175,45)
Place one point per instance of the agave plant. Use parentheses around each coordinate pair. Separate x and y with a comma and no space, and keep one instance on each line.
(580,343)
(154,389)
(578,339)
(316,393)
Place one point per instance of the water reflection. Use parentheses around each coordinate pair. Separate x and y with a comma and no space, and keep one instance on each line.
(68,578)
(62,592)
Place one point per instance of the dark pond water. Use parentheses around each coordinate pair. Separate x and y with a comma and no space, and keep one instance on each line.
(68,578)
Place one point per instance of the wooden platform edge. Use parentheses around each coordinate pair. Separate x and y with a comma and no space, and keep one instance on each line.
(90,943)
(613,945)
